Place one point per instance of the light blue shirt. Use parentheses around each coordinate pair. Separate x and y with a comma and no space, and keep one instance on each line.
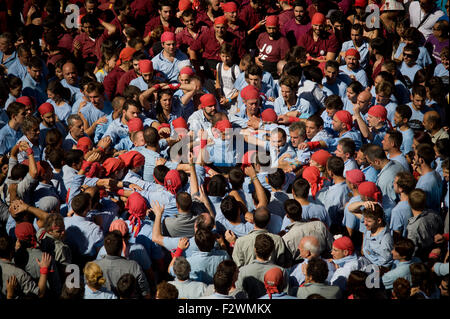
(350,220)
(408,137)
(139,83)
(315,211)
(349,165)
(378,249)
(423,59)
(352,134)
(409,72)
(164,198)
(75,91)
(37,150)
(402,92)
(440,71)
(303,106)
(44,129)
(418,114)
(359,74)
(431,184)
(334,198)
(8,138)
(9,61)
(83,235)
(402,160)
(399,217)
(18,69)
(339,88)
(117,131)
(92,114)
(35,89)
(103,293)
(169,70)
(144,238)
(150,160)
(385,179)
(62,112)
(204,265)
(400,270)
(363,51)
(370,173)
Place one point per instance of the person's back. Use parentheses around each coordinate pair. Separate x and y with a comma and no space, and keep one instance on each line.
(187,289)
(114,266)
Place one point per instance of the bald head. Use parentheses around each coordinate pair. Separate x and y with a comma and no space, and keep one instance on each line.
(262,217)
(70,73)
(309,246)
(364,100)
(204,221)
(432,121)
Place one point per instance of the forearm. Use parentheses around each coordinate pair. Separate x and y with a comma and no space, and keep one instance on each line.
(187,97)
(39,213)
(365,132)
(157,236)
(260,194)
(194,180)
(42,285)
(32,167)
(108,26)
(355,207)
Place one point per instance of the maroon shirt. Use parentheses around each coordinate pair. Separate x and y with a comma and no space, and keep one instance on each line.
(185,39)
(285,16)
(111,80)
(91,49)
(271,50)
(250,16)
(203,19)
(240,31)
(142,8)
(211,47)
(125,80)
(156,22)
(65,41)
(329,43)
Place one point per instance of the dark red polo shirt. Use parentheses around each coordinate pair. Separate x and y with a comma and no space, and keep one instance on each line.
(125,80)
(91,49)
(156,22)
(211,47)
(65,41)
(285,16)
(240,31)
(203,19)
(142,8)
(111,80)
(185,39)
(250,16)
(327,44)
(271,50)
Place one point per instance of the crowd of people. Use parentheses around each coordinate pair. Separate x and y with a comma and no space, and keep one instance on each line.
(237,149)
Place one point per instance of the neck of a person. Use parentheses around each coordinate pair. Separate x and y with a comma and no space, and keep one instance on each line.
(167,55)
(124,120)
(14,125)
(153,148)
(384,163)
(260,259)
(404,197)
(434,130)
(338,179)
(302,201)
(393,152)
(416,212)
(377,231)
(425,169)
(403,127)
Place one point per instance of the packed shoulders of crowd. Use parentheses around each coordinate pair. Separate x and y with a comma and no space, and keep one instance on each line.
(247,149)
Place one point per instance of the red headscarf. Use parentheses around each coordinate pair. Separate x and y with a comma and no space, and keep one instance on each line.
(145,66)
(223,125)
(312,175)
(179,123)
(344,243)
(353,52)
(132,159)
(46,108)
(137,207)
(26,232)
(250,93)
(167,36)
(247,159)
(318,18)
(380,112)
(42,168)
(172,181)
(187,70)
(207,100)
(96,170)
(229,6)
(355,176)
(272,21)
(121,226)
(346,118)
(112,165)
(184,5)
(321,157)
(220,20)
(370,189)
(272,279)
(25,100)
(135,125)
(269,115)
(84,144)
(125,55)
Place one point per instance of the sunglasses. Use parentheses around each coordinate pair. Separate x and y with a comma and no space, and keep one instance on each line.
(407,55)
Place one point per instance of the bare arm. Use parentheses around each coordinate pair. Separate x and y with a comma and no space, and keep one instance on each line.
(108,26)
(260,194)
(157,236)
(365,132)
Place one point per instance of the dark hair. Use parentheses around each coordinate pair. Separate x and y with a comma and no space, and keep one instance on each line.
(236,178)
(6,246)
(56,88)
(19,171)
(356,285)
(264,246)
(184,200)
(151,136)
(277,178)
(375,152)
(442,146)
(261,217)
(253,69)
(419,90)
(348,146)
(423,137)
(164,290)
(333,102)
(405,247)
(293,209)
(417,199)
(421,277)
(332,63)
(317,269)
(35,62)
(426,152)
(406,182)
(316,119)
(80,203)
(72,157)
(230,208)
(14,109)
(396,137)
(126,286)
(300,188)
(113,243)
(336,165)
(401,288)
(217,186)
(356,87)
(404,111)
(29,123)
(375,213)
(413,49)
(224,276)
(204,239)
(52,141)
(13,82)
(160,172)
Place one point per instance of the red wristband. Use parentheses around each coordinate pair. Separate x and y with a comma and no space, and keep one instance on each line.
(43,270)
(86,165)
(101,149)
(178,252)
(293,119)
(232,244)
(445,236)
(121,192)
(157,86)
(207,169)
(203,143)
(29,151)
(174,86)
(313,145)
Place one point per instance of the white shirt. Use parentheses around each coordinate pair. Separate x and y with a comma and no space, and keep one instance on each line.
(416,15)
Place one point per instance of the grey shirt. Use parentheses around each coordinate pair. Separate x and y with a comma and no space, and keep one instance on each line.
(182,225)
(298,230)
(422,228)
(329,292)
(26,285)
(244,248)
(251,278)
(114,267)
